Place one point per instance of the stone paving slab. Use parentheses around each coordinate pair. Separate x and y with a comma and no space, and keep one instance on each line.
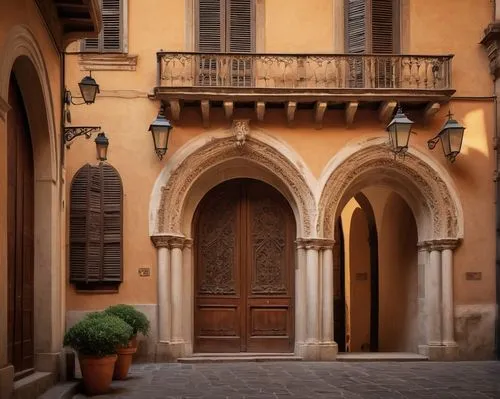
(279,380)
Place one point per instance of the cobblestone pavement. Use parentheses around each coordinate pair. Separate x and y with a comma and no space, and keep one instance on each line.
(310,380)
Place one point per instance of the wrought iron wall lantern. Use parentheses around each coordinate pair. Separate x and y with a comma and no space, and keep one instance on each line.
(89,89)
(451,136)
(101,145)
(399,132)
(160,129)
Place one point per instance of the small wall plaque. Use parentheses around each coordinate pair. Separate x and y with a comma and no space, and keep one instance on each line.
(473,276)
(144,271)
(361,276)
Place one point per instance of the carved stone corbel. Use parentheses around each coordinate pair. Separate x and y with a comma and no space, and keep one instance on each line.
(491,42)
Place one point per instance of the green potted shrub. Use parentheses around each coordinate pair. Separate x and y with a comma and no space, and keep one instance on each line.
(95,339)
(140,324)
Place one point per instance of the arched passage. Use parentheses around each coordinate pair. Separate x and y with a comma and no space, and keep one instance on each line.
(189,175)
(429,192)
(22,59)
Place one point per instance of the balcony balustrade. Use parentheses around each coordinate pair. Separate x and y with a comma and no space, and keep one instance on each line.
(308,78)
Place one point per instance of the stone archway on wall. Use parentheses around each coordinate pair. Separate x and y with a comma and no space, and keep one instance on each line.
(191,172)
(21,55)
(430,193)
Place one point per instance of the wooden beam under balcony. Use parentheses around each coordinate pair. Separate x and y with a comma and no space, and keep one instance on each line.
(228,109)
(260,109)
(205,112)
(175,109)
(350,112)
(431,110)
(386,110)
(291,106)
(319,113)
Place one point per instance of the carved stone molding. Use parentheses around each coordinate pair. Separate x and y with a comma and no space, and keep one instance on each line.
(440,244)
(108,62)
(170,241)
(216,151)
(4,108)
(434,207)
(491,42)
(241,129)
(315,243)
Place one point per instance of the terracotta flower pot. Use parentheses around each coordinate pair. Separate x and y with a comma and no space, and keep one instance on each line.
(97,373)
(123,362)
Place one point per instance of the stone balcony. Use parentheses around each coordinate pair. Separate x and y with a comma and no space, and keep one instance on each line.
(315,81)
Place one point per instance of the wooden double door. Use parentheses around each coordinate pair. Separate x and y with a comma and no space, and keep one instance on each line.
(20,235)
(244,273)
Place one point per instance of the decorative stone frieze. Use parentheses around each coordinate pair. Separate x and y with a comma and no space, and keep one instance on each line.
(491,42)
(440,244)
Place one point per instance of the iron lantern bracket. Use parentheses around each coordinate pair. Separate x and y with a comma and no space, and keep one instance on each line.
(75,131)
(433,142)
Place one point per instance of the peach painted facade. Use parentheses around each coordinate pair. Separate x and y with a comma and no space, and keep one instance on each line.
(127,104)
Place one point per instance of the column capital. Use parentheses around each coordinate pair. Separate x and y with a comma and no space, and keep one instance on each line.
(439,244)
(491,42)
(315,243)
(170,241)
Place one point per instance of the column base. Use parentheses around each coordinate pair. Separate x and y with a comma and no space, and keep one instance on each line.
(317,351)
(169,351)
(442,353)
(6,381)
(48,362)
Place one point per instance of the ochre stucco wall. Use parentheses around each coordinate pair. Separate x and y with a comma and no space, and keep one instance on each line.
(125,112)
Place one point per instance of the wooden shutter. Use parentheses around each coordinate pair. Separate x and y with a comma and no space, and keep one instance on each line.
(112,203)
(355,22)
(111,36)
(383,26)
(96,225)
(210,32)
(240,29)
(78,226)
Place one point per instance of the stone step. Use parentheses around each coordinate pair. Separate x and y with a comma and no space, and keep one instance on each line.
(239,357)
(381,357)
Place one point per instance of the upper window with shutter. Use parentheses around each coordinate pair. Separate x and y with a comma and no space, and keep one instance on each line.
(112,36)
(96,247)
(226,26)
(372,26)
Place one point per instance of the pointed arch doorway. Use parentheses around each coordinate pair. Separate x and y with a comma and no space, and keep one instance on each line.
(244,269)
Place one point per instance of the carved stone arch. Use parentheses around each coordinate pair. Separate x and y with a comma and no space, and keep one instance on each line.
(21,54)
(210,159)
(426,186)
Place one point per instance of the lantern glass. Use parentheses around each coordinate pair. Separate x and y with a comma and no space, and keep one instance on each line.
(101,145)
(160,129)
(399,132)
(451,140)
(89,89)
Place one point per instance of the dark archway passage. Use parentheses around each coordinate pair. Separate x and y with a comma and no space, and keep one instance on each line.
(244,273)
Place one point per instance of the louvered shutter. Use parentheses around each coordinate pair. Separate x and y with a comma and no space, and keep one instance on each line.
(110,38)
(112,200)
(356,40)
(356,26)
(210,39)
(240,39)
(382,26)
(78,226)
(96,225)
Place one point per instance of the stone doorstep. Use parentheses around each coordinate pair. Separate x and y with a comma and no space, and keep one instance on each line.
(238,357)
(380,357)
(33,385)
(63,390)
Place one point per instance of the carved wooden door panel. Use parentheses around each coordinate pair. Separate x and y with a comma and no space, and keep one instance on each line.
(20,236)
(270,270)
(244,276)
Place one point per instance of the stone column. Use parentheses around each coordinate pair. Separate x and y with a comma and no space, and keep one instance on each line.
(300,299)
(188,295)
(176,267)
(312,278)
(318,273)
(164,316)
(433,297)
(448,308)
